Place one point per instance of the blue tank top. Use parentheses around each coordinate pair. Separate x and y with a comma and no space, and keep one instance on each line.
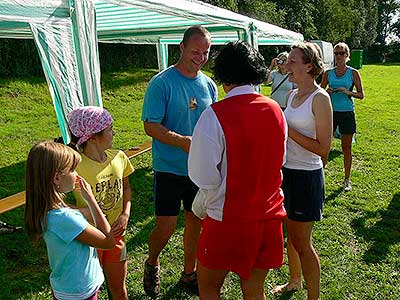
(340,101)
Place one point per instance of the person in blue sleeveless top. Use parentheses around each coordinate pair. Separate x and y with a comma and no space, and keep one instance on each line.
(341,80)
(173,103)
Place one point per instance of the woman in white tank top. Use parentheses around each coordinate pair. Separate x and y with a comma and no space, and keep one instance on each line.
(309,117)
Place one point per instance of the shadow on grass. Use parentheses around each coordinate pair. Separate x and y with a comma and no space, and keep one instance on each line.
(115,80)
(23,267)
(333,194)
(333,154)
(5,80)
(174,292)
(12,179)
(383,234)
(285,296)
(141,182)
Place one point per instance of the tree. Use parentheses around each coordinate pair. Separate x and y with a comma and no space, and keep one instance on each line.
(366,21)
(387,10)
(262,10)
(227,4)
(258,9)
(299,16)
(396,28)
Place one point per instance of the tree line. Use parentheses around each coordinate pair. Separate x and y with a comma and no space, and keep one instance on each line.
(372,25)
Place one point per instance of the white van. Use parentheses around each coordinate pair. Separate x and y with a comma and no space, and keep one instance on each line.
(327,53)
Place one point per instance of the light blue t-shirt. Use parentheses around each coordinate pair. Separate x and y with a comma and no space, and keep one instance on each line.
(176,101)
(340,101)
(75,268)
(280,94)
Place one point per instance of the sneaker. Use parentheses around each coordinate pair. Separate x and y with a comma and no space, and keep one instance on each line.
(151,280)
(6,228)
(347,185)
(189,283)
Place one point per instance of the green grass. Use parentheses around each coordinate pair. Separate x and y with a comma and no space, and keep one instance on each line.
(358,240)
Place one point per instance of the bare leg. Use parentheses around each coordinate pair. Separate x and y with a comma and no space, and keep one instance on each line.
(347,140)
(116,278)
(190,240)
(300,234)
(253,288)
(210,282)
(294,283)
(159,237)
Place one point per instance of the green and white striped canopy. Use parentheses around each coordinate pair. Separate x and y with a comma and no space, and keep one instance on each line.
(66,33)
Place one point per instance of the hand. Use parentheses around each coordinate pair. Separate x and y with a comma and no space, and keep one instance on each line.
(274,63)
(324,160)
(84,188)
(186,141)
(341,89)
(330,91)
(120,225)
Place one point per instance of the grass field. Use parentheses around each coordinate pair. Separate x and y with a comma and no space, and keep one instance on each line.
(358,240)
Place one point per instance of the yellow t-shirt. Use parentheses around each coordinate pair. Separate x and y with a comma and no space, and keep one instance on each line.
(106,180)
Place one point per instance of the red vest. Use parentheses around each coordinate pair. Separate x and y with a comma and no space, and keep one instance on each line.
(254,130)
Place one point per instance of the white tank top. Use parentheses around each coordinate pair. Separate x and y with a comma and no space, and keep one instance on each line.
(301,119)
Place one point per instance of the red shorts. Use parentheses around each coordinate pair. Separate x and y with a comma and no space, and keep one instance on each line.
(241,247)
(116,254)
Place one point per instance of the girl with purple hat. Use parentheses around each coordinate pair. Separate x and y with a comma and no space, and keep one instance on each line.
(107,171)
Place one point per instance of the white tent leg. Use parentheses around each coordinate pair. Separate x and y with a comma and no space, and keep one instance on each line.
(162,56)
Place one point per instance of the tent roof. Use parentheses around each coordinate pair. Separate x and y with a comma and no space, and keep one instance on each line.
(151,21)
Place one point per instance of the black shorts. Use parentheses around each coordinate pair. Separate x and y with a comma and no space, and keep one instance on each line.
(170,190)
(346,120)
(304,193)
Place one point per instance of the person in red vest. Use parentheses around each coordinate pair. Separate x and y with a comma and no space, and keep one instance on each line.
(235,159)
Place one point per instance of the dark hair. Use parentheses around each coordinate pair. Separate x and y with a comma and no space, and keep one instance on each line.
(239,63)
(193,30)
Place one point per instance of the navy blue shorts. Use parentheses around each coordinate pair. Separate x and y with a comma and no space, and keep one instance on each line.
(170,190)
(304,193)
(346,120)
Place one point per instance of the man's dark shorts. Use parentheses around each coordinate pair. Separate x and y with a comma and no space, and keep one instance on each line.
(170,190)
(304,193)
(346,120)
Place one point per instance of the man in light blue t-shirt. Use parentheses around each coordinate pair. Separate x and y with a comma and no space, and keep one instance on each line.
(173,103)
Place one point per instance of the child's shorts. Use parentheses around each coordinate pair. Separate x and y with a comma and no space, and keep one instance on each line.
(93,297)
(116,254)
(241,247)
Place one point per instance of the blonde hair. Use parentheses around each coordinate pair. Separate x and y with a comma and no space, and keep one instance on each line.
(345,48)
(44,160)
(312,54)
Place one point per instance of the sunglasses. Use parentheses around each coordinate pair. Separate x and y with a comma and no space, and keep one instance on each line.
(339,53)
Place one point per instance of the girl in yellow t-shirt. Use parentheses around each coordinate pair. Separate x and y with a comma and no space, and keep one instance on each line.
(107,171)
